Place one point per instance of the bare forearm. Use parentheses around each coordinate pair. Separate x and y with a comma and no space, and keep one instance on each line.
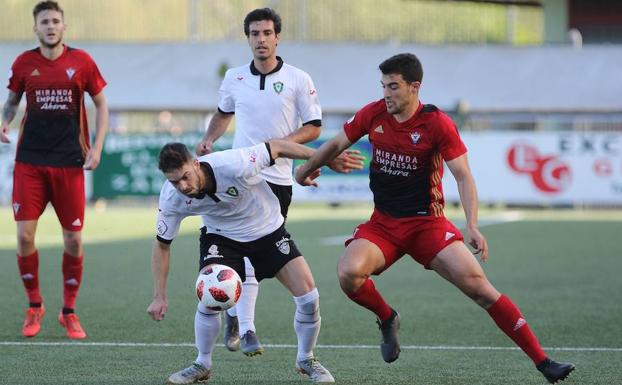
(304,134)
(217,126)
(160,258)
(281,148)
(468,198)
(101,126)
(9,110)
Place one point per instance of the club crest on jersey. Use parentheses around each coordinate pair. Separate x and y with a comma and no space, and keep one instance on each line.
(283,245)
(278,87)
(232,191)
(70,72)
(415,136)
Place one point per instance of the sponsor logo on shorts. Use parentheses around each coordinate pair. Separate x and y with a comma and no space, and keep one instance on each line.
(283,245)
(449,235)
(16,207)
(213,252)
(520,323)
(77,222)
(162,228)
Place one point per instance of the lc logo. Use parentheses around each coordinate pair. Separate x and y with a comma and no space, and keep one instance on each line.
(548,173)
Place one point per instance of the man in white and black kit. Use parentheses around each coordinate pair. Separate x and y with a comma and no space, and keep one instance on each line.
(270,99)
(242,219)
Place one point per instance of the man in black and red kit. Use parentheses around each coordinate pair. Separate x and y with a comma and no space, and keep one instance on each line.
(53,149)
(410,141)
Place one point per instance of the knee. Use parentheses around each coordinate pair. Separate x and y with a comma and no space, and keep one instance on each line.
(351,275)
(73,243)
(26,238)
(481,291)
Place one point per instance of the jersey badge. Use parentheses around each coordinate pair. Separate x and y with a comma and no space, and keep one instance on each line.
(379,129)
(415,136)
(283,245)
(70,72)
(35,72)
(232,191)
(16,207)
(278,87)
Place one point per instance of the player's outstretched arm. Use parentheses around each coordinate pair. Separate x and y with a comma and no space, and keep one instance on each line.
(160,257)
(281,148)
(461,171)
(93,156)
(217,127)
(325,154)
(8,113)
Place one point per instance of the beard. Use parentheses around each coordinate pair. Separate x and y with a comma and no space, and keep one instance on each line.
(51,45)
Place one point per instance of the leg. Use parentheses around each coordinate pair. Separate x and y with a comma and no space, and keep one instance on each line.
(456,264)
(297,278)
(245,310)
(206,328)
(28,263)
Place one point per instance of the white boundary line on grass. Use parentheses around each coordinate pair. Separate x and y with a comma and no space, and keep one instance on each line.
(287,346)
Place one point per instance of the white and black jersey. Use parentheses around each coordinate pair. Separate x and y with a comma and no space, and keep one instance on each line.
(269,106)
(242,207)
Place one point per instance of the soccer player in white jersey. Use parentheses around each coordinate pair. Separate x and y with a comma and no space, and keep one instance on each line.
(270,99)
(242,219)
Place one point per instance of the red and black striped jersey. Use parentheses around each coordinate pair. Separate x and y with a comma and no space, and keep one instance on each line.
(407,158)
(54,130)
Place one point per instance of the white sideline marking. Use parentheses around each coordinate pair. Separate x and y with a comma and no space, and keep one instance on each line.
(287,346)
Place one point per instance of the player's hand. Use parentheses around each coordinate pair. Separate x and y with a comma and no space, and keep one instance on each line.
(204,147)
(308,180)
(478,242)
(92,159)
(347,161)
(157,309)
(4,133)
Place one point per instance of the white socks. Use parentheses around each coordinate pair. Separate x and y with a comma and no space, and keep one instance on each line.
(206,329)
(307,323)
(245,308)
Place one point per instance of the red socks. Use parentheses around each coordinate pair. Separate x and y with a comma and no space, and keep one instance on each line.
(368,297)
(29,271)
(510,320)
(72,276)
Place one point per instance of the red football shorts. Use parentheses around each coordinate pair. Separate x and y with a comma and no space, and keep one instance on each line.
(35,186)
(420,237)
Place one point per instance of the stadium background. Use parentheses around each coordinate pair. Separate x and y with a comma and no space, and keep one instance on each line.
(534,87)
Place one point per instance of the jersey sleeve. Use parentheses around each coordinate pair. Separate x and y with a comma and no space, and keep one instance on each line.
(95,82)
(450,143)
(226,104)
(307,100)
(253,160)
(168,220)
(358,125)
(16,78)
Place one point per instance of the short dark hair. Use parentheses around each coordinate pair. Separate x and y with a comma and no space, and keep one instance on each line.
(173,156)
(405,64)
(48,5)
(260,14)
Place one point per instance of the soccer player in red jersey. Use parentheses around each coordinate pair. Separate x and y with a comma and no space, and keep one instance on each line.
(410,141)
(53,149)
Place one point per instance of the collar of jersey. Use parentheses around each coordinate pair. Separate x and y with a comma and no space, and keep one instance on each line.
(278,67)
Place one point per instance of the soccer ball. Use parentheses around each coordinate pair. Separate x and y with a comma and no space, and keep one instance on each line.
(219,287)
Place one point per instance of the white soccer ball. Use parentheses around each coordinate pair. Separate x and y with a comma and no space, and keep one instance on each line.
(219,287)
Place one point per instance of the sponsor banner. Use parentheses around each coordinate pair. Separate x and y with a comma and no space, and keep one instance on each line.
(544,167)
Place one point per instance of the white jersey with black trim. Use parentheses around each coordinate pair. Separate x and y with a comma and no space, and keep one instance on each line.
(243,207)
(269,106)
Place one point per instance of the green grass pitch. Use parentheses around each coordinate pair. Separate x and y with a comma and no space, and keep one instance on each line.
(563,270)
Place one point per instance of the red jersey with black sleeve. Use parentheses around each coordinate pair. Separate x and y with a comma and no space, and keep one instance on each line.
(406,168)
(54,130)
